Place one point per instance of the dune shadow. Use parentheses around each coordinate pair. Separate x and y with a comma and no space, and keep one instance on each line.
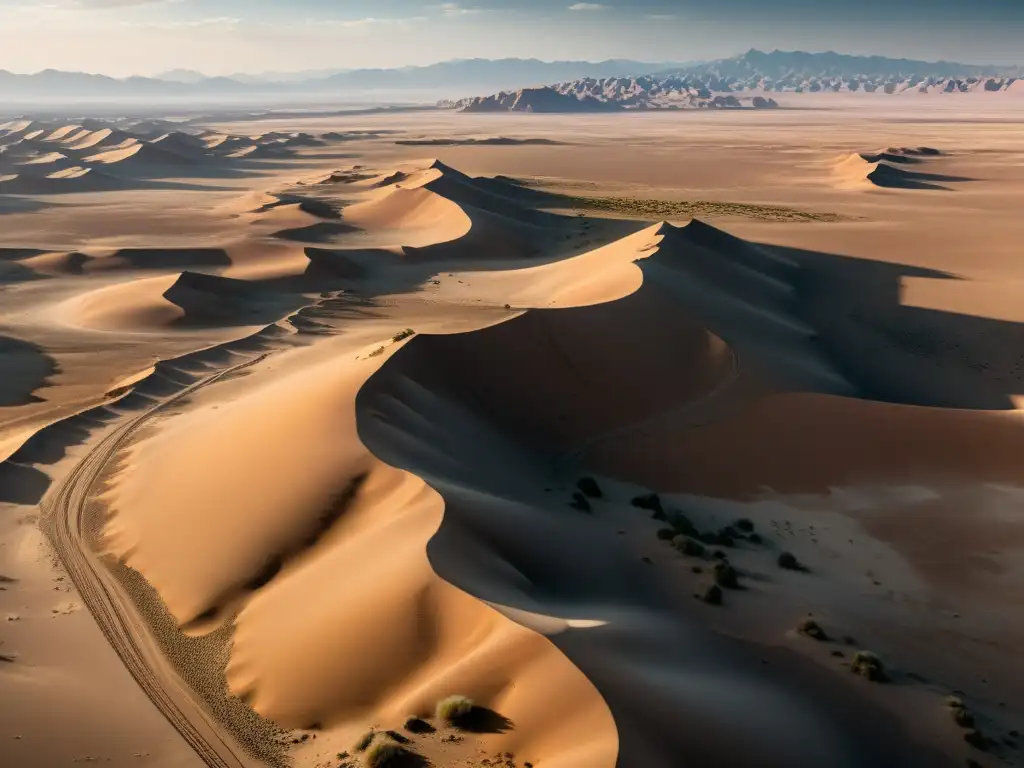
(24,368)
(21,484)
(484,720)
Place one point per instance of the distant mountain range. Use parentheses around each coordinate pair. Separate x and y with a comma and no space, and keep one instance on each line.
(775,71)
(715,84)
(446,78)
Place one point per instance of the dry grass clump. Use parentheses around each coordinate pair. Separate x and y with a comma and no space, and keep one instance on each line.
(454,708)
(868,665)
(402,335)
(812,629)
(364,741)
(388,754)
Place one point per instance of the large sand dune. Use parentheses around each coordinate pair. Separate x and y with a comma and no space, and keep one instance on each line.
(311,454)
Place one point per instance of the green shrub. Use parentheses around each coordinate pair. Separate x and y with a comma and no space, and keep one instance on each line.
(868,665)
(454,708)
(589,487)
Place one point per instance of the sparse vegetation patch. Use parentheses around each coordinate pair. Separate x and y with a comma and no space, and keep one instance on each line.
(647,208)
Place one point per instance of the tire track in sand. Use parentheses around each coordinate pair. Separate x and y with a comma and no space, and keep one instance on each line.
(64,522)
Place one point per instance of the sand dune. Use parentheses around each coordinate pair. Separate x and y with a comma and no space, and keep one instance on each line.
(328,438)
(888,168)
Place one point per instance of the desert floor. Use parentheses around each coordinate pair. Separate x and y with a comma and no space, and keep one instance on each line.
(294,414)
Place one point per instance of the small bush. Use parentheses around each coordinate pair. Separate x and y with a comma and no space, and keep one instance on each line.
(725,575)
(712,595)
(666,534)
(868,665)
(454,708)
(958,710)
(365,741)
(402,335)
(688,546)
(682,524)
(745,525)
(976,739)
(387,754)
(414,724)
(788,561)
(579,501)
(651,501)
(755,538)
(589,487)
(396,736)
(812,629)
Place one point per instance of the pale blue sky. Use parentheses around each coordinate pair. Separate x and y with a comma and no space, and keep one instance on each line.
(123,37)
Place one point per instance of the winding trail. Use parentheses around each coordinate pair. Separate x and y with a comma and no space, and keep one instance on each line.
(64,521)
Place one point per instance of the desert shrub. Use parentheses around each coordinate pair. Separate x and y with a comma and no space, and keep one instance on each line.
(589,487)
(868,665)
(688,546)
(454,708)
(402,335)
(396,736)
(365,741)
(976,739)
(812,629)
(788,561)
(414,724)
(755,538)
(387,754)
(958,709)
(725,575)
(579,501)
(682,524)
(712,595)
(719,555)
(666,534)
(745,525)
(651,502)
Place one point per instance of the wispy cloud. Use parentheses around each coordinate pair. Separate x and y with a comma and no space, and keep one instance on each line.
(454,9)
(587,7)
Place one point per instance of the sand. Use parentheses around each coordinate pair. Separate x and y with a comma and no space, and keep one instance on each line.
(291,430)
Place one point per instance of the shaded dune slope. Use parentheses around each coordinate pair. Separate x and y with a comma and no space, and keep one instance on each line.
(380,524)
(891,168)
